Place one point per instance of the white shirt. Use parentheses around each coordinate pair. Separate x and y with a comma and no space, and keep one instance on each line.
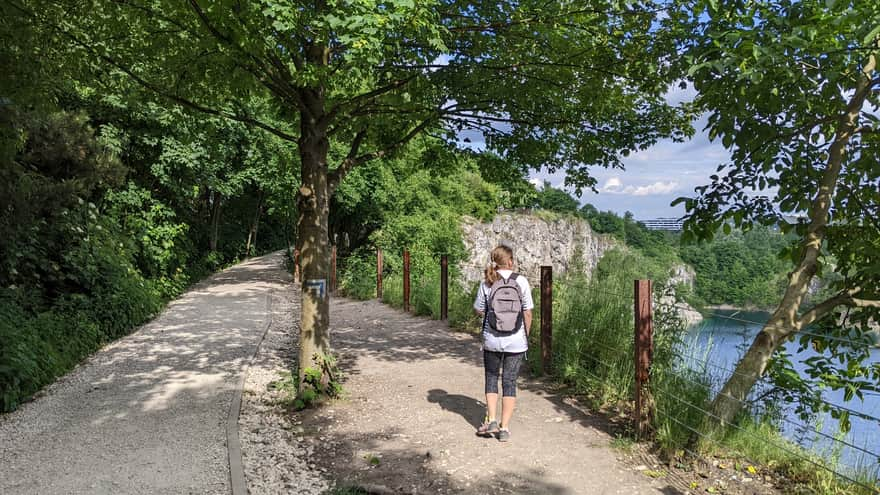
(505,342)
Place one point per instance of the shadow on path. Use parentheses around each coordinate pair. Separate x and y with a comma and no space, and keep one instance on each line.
(147,413)
(408,424)
(470,409)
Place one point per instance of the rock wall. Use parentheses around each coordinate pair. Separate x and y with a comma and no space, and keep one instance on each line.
(536,241)
(562,242)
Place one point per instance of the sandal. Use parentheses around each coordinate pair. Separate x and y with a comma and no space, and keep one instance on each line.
(488,428)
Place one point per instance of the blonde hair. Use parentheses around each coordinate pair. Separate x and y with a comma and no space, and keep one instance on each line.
(501,256)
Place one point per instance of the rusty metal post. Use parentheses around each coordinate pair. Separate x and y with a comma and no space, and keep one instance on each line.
(333,270)
(406,280)
(378,273)
(546,318)
(444,287)
(644,350)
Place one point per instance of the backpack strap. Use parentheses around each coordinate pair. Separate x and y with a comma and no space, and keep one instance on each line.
(485,307)
(513,277)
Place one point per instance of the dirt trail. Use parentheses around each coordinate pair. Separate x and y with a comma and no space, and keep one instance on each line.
(416,396)
(148,413)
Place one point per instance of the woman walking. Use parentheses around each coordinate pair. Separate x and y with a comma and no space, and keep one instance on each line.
(504,300)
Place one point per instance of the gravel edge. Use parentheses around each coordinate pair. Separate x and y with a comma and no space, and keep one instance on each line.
(237,482)
(277,455)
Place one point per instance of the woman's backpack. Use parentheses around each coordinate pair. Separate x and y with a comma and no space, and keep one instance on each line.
(504,312)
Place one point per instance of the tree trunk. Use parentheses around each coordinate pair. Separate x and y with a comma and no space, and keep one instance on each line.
(785,320)
(255,225)
(214,234)
(312,240)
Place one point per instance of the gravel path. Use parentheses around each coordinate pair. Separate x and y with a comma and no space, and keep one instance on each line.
(415,398)
(277,454)
(147,414)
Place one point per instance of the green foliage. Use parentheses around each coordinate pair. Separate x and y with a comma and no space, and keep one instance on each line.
(739,268)
(357,276)
(592,326)
(593,353)
(319,383)
(790,90)
(411,207)
(370,59)
(90,254)
(286,386)
(553,199)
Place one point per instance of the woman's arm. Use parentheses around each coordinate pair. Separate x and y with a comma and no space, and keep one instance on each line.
(527,320)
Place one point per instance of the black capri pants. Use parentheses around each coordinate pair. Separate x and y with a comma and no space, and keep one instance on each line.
(506,364)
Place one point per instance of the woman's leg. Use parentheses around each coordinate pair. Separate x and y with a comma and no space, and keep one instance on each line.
(511,364)
(492,366)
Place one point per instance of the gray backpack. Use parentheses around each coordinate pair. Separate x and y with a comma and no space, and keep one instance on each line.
(504,312)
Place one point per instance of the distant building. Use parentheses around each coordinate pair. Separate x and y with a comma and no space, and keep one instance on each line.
(670,224)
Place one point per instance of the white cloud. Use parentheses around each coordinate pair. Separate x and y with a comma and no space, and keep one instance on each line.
(612,185)
(656,188)
(615,186)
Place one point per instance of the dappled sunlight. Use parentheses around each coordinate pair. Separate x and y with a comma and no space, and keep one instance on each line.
(417,398)
(158,398)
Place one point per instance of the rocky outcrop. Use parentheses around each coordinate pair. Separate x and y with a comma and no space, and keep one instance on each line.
(561,242)
(680,275)
(565,243)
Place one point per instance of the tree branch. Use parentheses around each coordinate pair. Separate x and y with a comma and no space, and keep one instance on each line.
(843,298)
(369,95)
(276,82)
(184,102)
(351,161)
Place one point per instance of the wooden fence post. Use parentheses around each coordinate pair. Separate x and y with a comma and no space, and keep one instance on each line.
(406,280)
(546,318)
(644,350)
(444,287)
(379,273)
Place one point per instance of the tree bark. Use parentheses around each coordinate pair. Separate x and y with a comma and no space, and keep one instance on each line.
(313,202)
(785,320)
(255,225)
(214,234)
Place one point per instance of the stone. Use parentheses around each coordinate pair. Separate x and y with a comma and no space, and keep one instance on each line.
(535,242)
(563,242)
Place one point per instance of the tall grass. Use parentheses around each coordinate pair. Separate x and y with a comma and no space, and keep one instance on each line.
(593,353)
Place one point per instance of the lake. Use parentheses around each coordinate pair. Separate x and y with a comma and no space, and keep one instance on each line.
(721,341)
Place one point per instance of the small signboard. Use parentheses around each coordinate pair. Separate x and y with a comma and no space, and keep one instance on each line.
(317,286)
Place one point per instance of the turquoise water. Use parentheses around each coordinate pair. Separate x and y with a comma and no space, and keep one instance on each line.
(721,341)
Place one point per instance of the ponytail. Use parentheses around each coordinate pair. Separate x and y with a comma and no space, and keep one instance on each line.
(501,256)
(491,274)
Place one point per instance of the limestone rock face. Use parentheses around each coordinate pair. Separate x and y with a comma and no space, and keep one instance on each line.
(560,243)
(565,243)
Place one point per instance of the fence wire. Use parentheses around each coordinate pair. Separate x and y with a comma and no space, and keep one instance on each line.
(688,361)
(791,451)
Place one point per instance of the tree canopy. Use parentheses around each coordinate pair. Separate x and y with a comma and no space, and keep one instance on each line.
(558,85)
(791,89)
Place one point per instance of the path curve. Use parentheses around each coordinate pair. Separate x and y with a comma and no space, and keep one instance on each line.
(148,413)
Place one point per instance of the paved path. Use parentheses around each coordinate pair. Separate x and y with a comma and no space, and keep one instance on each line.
(416,397)
(147,414)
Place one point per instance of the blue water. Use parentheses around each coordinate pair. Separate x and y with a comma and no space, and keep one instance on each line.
(721,341)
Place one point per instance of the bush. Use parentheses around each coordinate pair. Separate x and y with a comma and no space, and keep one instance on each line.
(357,277)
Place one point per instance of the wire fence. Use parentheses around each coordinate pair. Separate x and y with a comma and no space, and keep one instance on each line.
(690,370)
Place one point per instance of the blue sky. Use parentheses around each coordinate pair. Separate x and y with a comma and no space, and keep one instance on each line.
(652,178)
